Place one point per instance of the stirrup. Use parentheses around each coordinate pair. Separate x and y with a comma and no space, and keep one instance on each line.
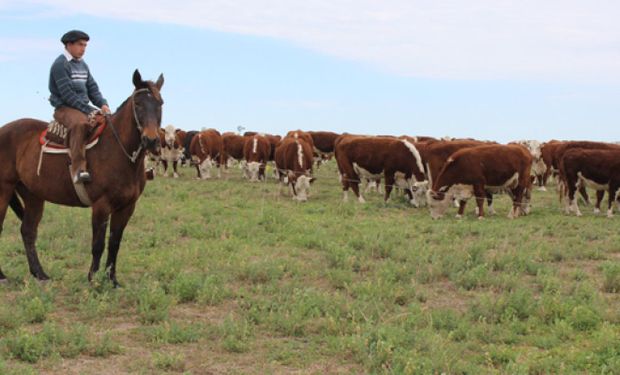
(81,177)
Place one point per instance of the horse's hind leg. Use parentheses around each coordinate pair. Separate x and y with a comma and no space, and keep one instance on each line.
(33,211)
(6,192)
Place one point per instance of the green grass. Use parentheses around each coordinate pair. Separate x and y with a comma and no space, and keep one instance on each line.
(225,276)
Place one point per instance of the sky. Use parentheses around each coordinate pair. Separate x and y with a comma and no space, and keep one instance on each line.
(488,69)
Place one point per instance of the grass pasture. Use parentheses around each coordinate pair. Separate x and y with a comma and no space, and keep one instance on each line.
(225,276)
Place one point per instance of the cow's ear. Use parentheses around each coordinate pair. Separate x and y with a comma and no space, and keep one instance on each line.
(312,179)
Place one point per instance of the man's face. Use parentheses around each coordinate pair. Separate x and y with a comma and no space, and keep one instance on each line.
(77,49)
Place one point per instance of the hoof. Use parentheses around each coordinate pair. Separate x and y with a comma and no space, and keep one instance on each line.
(597,211)
(480,217)
(458,216)
(40,276)
(542,188)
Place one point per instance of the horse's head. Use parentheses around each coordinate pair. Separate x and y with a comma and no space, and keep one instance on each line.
(147,104)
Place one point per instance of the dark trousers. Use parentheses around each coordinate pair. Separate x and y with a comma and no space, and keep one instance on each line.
(78,125)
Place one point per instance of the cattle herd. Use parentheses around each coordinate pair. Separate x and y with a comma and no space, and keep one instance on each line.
(431,172)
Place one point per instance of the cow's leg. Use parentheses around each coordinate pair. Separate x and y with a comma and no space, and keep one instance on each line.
(480,195)
(117,227)
(261,172)
(33,211)
(612,197)
(164,164)
(584,194)
(389,183)
(354,184)
(517,199)
(572,189)
(198,173)
(378,185)
(174,167)
(600,194)
(462,204)
(490,203)
(99,222)
(6,194)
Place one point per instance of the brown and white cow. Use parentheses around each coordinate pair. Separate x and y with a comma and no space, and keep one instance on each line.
(233,147)
(418,138)
(370,157)
(294,159)
(300,134)
(273,141)
(323,145)
(558,155)
(171,150)
(256,151)
(186,141)
(471,172)
(435,154)
(206,150)
(539,168)
(596,169)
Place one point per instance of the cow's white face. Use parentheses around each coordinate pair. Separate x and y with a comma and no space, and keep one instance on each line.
(438,203)
(419,191)
(253,169)
(538,167)
(302,188)
(170,135)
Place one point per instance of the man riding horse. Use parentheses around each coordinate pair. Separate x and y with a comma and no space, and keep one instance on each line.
(72,88)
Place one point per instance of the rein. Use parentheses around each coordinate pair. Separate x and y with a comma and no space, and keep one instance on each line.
(134,155)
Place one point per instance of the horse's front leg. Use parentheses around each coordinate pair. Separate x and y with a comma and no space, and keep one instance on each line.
(99,221)
(119,220)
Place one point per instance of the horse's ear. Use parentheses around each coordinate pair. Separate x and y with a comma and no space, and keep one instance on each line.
(137,79)
(160,81)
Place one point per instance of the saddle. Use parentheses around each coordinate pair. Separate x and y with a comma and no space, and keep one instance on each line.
(54,138)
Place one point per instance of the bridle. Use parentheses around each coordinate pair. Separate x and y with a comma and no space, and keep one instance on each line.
(134,155)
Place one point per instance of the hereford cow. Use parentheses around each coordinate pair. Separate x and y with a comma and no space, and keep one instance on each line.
(300,134)
(206,150)
(435,154)
(474,171)
(256,151)
(539,167)
(233,147)
(171,150)
(418,138)
(558,155)
(597,169)
(370,157)
(187,141)
(323,145)
(273,142)
(373,183)
(294,166)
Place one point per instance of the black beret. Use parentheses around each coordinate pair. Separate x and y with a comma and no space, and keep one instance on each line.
(73,36)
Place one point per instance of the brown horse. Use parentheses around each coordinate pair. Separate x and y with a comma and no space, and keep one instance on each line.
(116,164)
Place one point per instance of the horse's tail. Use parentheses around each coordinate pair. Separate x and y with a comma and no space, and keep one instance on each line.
(16,206)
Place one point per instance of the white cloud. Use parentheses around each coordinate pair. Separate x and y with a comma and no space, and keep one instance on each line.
(447,39)
(15,49)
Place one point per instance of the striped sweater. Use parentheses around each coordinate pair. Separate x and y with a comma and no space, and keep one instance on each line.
(72,85)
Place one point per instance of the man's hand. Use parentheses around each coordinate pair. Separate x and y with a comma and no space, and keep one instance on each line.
(105,109)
